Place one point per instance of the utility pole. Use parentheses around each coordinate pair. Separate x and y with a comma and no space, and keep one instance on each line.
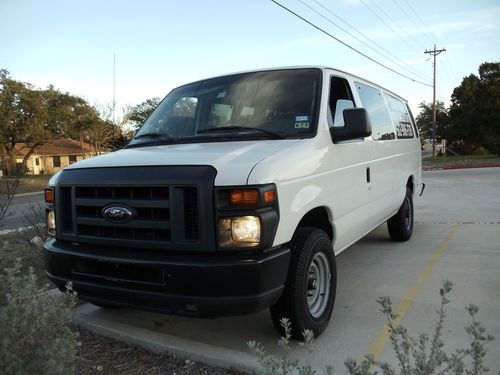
(434,52)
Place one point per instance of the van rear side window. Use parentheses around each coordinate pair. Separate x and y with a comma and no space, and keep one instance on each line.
(400,118)
(373,101)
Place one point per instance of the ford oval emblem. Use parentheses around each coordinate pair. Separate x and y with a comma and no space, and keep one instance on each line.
(118,214)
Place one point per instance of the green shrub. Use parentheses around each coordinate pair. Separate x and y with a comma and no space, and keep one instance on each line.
(35,334)
(426,354)
(273,365)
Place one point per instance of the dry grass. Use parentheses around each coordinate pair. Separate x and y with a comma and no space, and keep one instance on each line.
(458,161)
(30,184)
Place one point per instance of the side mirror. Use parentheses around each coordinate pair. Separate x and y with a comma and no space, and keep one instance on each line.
(357,125)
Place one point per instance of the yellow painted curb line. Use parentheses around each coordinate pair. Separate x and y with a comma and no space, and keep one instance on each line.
(377,346)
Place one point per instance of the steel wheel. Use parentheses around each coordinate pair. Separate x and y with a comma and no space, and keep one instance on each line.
(408,214)
(318,285)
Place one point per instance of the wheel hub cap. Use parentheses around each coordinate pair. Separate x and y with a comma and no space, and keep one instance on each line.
(318,285)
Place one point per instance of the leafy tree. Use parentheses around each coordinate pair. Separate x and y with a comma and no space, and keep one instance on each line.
(475,109)
(23,119)
(33,117)
(68,114)
(424,120)
(139,113)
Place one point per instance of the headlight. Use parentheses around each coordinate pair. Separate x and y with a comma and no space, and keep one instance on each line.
(239,231)
(51,222)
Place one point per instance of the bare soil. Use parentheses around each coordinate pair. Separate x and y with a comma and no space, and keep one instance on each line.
(102,355)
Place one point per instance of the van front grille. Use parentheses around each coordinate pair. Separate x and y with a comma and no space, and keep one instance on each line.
(163,216)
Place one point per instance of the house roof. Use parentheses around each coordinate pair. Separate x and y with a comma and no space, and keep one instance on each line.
(55,148)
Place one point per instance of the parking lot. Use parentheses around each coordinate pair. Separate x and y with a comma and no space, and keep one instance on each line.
(456,237)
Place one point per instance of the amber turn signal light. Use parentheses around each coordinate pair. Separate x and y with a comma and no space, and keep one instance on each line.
(244,197)
(269,196)
(49,195)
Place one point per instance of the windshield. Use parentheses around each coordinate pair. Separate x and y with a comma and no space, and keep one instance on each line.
(263,105)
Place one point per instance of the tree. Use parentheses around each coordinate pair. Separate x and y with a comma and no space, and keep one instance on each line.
(112,133)
(139,114)
(23,119)
(475,109)
(424,120)
(68,114)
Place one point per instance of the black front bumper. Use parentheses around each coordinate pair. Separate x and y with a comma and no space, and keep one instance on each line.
(193,284)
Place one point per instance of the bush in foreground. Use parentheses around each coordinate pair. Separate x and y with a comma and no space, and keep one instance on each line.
(36,337)
(424,355)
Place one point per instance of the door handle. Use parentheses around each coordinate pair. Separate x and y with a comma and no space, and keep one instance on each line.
(368,178)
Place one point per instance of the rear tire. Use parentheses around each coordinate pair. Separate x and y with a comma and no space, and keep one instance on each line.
(401,224)
(309,294)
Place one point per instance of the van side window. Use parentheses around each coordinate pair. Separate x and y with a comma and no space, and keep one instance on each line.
(412,120)
(340,99)
(373,101)
(400,117)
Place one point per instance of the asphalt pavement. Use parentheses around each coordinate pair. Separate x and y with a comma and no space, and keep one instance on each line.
(15,215)
(456,237)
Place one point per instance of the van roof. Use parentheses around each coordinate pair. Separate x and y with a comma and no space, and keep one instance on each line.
(322,67)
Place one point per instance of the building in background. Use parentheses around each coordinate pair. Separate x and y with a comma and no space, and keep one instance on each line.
(51,157)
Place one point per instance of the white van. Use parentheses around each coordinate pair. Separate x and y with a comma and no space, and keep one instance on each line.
(236,195)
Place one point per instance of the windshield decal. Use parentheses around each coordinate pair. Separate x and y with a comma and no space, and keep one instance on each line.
(302,122)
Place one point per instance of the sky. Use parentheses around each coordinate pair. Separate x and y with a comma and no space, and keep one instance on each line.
(159,45)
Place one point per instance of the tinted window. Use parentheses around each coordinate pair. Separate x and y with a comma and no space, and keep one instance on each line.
(400,117)
(340,99)
(412,120)
(373,101)
(282,101)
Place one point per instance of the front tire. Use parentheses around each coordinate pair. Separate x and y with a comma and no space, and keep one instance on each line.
(401,224)
(309,294)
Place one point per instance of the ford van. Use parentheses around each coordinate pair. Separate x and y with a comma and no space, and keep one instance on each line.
(236,195)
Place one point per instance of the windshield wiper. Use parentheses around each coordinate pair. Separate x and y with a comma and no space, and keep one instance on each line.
(233,127)
(160,136)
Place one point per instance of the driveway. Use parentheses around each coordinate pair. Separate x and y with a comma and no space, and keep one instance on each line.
(20,203)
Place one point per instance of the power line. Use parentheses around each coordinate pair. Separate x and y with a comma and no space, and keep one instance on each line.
(399,27)
(448,66)
(389,26)
(395,23)
(411,18)
(425,31)
(347,45)
(409,69)
(432,36)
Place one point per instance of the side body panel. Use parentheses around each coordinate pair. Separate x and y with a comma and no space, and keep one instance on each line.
(318,173)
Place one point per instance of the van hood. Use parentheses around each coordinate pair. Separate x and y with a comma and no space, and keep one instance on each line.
(232,160)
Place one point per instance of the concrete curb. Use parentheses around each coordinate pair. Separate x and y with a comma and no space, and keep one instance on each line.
(7,231)
(163,343)
(445,168)
(28,194)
